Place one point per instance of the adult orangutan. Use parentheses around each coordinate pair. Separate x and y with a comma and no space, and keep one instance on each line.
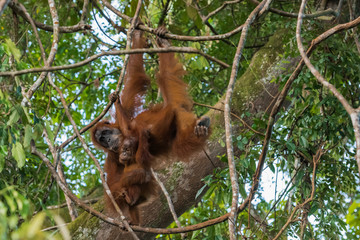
(139,135)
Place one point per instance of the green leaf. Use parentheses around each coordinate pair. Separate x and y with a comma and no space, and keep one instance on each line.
(195,234)
(49,131)
(271,166)
(304,142)
(314,208)
(252,165)
(11,49)
(209,192)
(245,163)
(36,224)
(2,162)
(222,143)
(26,112)
(353,217)
(28,136)
(291,146)
(10,202)
(38,129)
(14,117)
(242,191)
(211,232)
(200,191)
(240,145)
(195,45)
(18,153)
(192,13)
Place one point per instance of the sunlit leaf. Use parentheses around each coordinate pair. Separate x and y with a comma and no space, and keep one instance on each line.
(18,153)
(11,49)
(14,117)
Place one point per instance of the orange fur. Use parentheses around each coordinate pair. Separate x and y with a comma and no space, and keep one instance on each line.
(141,137)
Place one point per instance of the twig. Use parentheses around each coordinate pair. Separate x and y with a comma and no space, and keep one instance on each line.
(316,158)
(206,21)
(84,145)
(66,29)
(113,24)
(135,22)
(173,36)
(228,131)
(89,201)
(355,35)
(168,199)
(3,5)
(54,227)
(205,18)
(49,61)
(41,47)
(72,211)
(354,113)
(66,190)
(164,13)
(84,12)
(115,52)
(295,15)
(280,197)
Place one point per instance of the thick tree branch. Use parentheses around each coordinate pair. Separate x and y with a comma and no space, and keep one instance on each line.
(254,187)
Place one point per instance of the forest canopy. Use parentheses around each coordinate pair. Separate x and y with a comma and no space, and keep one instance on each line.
(279,79)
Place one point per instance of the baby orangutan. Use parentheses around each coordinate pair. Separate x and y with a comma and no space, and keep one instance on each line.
(136,137)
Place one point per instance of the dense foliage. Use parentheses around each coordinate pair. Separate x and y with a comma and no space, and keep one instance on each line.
(314,119)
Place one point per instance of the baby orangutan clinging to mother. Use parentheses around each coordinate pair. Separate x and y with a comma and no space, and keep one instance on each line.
(135,139)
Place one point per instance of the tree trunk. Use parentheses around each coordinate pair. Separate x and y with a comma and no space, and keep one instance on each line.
(254,93)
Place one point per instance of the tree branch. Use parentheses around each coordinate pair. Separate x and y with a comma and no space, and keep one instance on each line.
(68,29)
(173,36)
(295,15)
(115,52)
(168,199)
(316,159)
(3,5)
(354,114)
(72,211)
(223,5)
(49,61)
(84,145)
(228,131)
